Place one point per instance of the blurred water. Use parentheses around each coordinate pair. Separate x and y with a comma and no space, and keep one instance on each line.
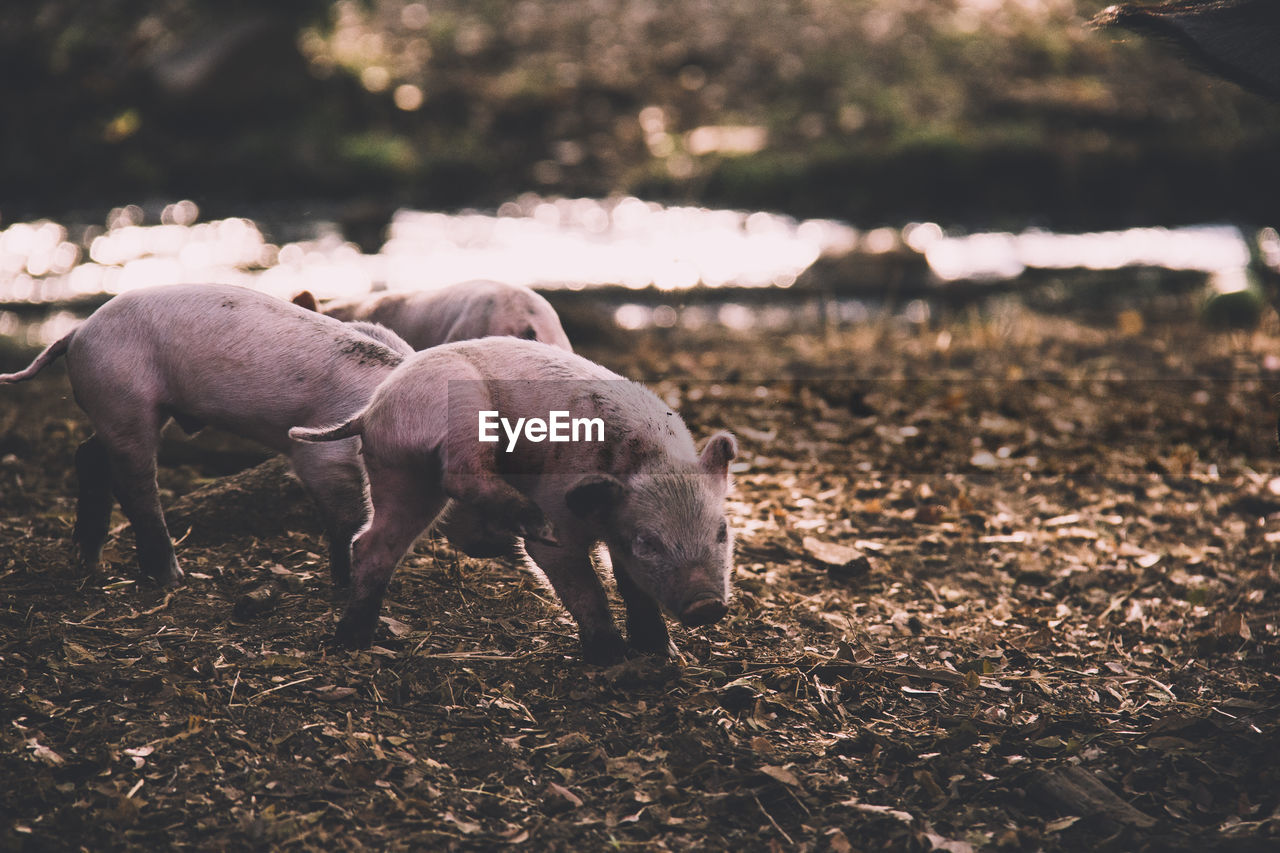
(543,243)
(550,244)
(1209,248)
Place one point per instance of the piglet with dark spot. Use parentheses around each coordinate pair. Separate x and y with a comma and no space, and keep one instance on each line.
(642,489)
(220,356)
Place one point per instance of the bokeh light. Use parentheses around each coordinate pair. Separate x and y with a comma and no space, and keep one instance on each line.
(570,243)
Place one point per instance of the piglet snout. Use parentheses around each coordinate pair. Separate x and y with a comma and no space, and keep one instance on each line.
(704,610)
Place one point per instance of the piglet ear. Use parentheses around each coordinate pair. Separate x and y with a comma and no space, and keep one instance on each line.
(306,299)
(719,452)
(595,496)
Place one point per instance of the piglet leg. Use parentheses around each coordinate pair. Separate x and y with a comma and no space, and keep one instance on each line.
(334,477)
(466,528)
(646,629)
(469,475)
(93,506)
(573,577)
(404,505)
(133,475)
(502,507)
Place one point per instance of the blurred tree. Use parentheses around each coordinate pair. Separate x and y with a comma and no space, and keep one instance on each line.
(977,111)
(116,96)
(859,108)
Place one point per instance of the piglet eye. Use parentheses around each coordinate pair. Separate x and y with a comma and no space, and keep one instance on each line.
(644,546)
(722,534)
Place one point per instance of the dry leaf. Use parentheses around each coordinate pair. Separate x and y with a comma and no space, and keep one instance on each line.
(838,842)
(950,845)
(1233,625)
(763,747)
(887,811)
(466,827)
(781,774)
(840,560)
(557,790)
(395,626)
(43,753)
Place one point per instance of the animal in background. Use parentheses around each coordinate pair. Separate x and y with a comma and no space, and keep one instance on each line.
(464,311)
(472,309)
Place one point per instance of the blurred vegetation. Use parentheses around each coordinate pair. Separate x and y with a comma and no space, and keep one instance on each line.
(982,112)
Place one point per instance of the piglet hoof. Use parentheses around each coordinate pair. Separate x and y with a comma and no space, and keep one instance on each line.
(87,564)
(649,636)
(353,633)
(604,648)
(158,564)
(659,648)
(168,578)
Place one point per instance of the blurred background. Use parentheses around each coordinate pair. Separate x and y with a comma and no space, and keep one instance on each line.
(982,112)
(314,120)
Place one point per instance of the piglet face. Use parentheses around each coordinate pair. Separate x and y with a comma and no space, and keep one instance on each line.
(668,533)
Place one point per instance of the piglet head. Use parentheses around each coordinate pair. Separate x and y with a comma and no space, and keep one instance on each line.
(667,532)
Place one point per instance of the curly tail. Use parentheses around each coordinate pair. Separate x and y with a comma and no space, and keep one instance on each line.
(331,433)
(42,361)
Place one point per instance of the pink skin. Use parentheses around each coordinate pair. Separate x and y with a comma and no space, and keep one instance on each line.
(645,492)
(465,311)
(383,335)
(473,309)
(219,356)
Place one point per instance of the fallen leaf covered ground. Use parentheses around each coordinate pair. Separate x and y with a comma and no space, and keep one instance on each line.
(1005,580)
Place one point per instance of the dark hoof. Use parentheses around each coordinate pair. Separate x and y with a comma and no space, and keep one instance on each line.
(654,647)
(352,634)
(88,564)
(158,564)
(648,636)
(169,579)
(604,649)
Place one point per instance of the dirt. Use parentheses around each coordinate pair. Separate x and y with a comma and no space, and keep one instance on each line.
(1005,580)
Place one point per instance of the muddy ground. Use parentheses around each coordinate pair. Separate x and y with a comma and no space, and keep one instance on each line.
(1005,580)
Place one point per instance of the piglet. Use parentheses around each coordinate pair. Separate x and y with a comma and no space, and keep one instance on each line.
(636,484)
(472,309)
(221,356)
